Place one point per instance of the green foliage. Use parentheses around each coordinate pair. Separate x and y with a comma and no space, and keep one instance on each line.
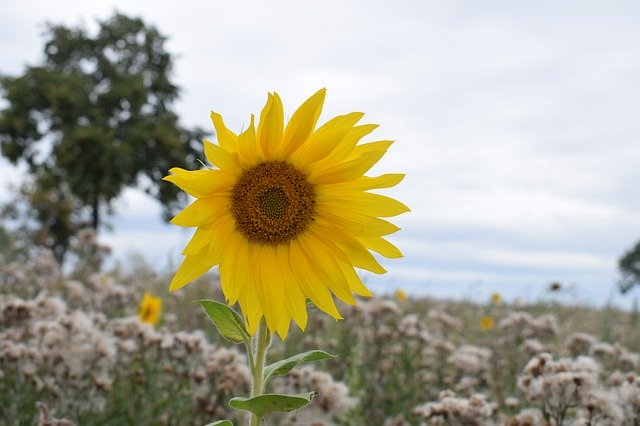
(229,323)
(629,267)
(271,403)
(96,114)
(46,214)
(280,368)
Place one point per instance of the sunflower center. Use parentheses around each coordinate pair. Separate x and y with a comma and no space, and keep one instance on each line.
(272,203)
(146,313)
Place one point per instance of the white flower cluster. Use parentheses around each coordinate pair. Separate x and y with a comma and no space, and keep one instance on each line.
(75,342)
(73,358)
(570,389)
(418,354)
(471,360)
(449,409)
(522,323)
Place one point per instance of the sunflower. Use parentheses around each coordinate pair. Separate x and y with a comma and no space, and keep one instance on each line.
(287,214)
(487,323)
(400,295)
(150,308)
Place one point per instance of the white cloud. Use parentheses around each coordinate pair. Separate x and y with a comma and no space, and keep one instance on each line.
(516,123)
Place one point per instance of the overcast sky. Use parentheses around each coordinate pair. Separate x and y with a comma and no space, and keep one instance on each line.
(517,123)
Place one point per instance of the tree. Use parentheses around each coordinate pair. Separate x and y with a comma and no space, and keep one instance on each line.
(96,115)
(43,214)
(629,267)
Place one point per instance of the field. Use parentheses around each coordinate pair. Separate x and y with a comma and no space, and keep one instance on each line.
(73,348)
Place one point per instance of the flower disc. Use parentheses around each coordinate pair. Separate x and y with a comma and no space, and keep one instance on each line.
(272,203)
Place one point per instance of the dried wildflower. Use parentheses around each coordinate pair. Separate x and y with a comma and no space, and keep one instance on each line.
(558,385)
(332,399)
(602,350)
(534,347)
(496,299)
(46,419)
(579,343)
(445,322)
(511,402)
(471,359)
(600,407)
(474,410)
(527,417)
(629,393)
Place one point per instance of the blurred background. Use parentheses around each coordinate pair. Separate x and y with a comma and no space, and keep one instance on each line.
(516,123)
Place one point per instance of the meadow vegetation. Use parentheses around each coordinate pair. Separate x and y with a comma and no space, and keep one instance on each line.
(74,351)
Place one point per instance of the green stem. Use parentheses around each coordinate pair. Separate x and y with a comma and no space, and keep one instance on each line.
(257,357)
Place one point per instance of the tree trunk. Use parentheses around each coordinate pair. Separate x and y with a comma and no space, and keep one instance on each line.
(95,206)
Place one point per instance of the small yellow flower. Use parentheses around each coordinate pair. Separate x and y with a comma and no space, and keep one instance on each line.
(400,295)
(286,211)
(496,298)
(150,308)
(487,323)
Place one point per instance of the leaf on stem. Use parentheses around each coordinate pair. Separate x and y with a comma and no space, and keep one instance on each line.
(229,323)
(271,402)
(281,368)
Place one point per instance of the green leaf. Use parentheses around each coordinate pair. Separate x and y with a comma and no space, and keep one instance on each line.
(229,323)
(220,423)
(271,402)
(281,368)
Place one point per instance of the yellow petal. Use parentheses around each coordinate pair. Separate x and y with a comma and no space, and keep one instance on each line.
(200,183)
(251,308)
(191,268)
(325,139)
(226,138)
(245,278)
(365,202)
(270,127)
(296,302)
(357,224)
(381,246)
(230,279)
(344,148)
(312,285)
(247,148)
(365,183)
(283,327)
(326,265)
(221,158)
(354,167)
(200,239)
(358,255)
(355,283)
(272,292)
(350,141)
(202,211)
(302,123)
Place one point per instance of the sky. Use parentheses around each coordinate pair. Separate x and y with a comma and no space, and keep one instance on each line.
(517,123)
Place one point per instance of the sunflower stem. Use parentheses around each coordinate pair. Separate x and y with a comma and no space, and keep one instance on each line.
(257,353)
